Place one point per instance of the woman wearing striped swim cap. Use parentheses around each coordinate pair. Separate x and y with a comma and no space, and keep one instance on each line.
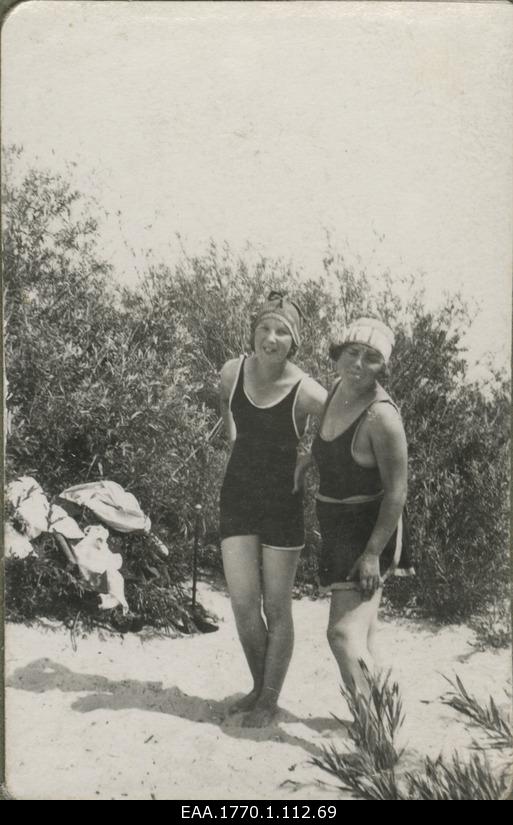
(361,454)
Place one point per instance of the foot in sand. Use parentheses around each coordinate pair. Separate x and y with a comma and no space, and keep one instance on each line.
(246,703)
(260,717)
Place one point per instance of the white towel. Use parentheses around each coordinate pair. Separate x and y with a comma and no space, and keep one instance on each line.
(94,557)
(32,509)
(111,503)
(16,545)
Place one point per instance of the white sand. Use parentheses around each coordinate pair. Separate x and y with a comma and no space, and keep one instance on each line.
(126,718)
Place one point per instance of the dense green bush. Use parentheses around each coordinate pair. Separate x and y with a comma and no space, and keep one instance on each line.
(458,497)
(122,384)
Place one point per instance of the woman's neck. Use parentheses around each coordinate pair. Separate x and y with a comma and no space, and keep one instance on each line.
(265,371)
(356,395)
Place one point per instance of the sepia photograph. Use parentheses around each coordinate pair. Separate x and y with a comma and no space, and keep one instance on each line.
(257,278)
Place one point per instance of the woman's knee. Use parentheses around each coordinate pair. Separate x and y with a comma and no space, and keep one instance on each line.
(277,613)
(247,611)
(343,636)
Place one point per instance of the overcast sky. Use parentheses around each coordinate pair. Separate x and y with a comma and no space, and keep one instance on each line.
(387,124)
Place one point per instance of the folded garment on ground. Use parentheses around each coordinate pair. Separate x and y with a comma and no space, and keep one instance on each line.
(35,515)
(16,545)
(30,505)
(95,558)
(60,522)
(111,503)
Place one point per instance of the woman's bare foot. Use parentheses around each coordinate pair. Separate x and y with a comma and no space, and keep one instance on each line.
(246,703)
(260,717)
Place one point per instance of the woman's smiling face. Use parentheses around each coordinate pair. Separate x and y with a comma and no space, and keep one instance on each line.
(272,339)
(360,365)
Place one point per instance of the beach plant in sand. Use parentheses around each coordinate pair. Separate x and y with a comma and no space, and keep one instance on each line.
(456,780)
(489,718)
(371,768)
(377,718)
(368,767)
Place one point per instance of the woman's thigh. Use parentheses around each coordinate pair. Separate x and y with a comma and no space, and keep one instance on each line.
(350,614)
(242,569)
(278,573)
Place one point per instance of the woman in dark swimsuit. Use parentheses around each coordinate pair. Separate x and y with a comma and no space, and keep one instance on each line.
(361,454)
(265,402)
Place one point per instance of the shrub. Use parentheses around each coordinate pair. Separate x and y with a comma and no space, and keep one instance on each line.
(458,497)
(156,589)
(107,382)
(96,389)
(492,625)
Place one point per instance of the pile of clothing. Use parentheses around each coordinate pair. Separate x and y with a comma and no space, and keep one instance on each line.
(31,515)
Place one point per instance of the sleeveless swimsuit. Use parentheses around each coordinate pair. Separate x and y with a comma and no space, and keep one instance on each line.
(256,495)
(347,526)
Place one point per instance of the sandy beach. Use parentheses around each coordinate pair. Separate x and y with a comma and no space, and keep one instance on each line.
(143,717)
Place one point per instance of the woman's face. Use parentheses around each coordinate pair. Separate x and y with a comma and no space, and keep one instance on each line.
(272,339)
(360,365)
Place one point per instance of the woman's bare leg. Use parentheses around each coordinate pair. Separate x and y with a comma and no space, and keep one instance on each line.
(351,620)
(372,638)
(242,569)
(279,571)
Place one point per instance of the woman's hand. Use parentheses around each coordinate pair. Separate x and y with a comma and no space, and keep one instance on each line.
(303,464)
(367,567)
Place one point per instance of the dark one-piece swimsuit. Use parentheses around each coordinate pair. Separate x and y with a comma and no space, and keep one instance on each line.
(256,495)
(346,527)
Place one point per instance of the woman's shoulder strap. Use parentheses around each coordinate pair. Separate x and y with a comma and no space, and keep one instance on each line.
(384,400)
(231,373)
(332,390)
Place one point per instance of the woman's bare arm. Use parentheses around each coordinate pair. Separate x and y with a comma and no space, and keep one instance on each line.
(228,376)
(388,441)
(311,401)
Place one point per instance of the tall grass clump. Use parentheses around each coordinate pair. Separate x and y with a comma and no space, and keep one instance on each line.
(368,769)
(488,717)
(456,780)
(371,768)
(377,718)
(357,774)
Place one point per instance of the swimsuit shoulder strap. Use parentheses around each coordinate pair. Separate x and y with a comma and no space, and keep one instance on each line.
(239,378)
(295,391)
(360,419)
(386,400)
(329,397)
